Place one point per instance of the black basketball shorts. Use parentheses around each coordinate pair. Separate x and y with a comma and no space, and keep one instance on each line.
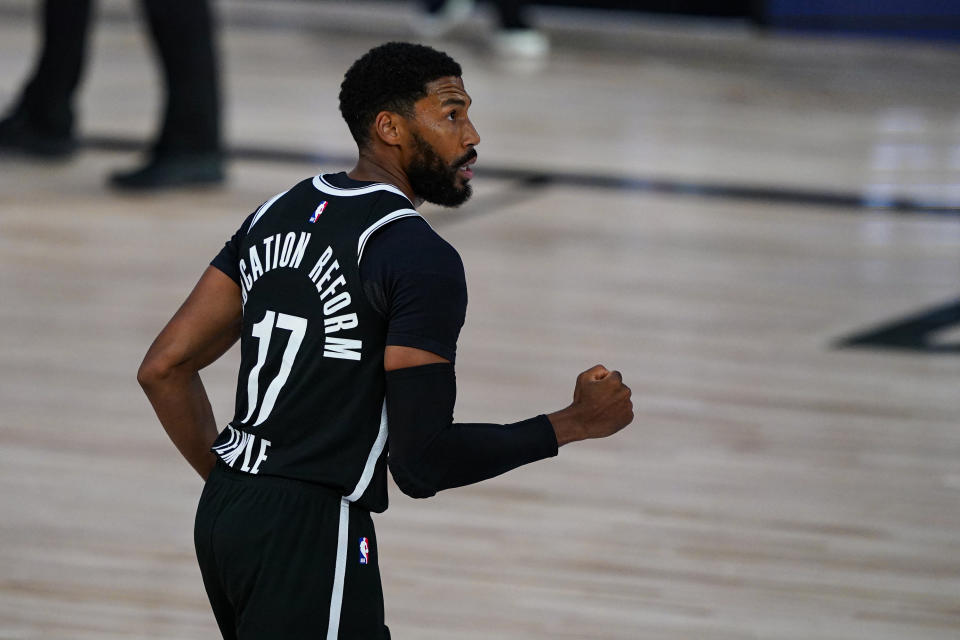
(287,559)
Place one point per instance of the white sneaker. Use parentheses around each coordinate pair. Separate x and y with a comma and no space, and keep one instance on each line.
(526,44)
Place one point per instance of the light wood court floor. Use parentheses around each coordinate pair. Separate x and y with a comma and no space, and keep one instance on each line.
(772,486)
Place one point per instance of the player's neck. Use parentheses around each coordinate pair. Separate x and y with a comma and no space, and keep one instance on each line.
(373,169)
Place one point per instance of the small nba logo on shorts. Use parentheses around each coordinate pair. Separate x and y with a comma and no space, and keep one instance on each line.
(320,208)
(364,551)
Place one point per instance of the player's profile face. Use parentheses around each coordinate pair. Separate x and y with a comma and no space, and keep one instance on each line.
(436,180)
(443,140)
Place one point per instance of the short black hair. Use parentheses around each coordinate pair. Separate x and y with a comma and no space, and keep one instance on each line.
(390,77)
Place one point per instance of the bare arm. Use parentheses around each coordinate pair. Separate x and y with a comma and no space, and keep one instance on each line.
(403,357)
(202,330)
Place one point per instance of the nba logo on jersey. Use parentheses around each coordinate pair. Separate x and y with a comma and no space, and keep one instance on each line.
(320,208)
(364,551)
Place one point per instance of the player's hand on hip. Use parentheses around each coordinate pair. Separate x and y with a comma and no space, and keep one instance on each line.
(601,407)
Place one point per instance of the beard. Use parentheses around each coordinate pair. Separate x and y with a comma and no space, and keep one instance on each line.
(434,180)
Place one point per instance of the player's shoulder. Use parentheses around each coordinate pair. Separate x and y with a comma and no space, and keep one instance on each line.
(345,191)
(365,203)
(286,200)
(372,200)
(412,245)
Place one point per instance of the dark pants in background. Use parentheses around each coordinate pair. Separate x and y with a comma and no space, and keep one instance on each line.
(182,33)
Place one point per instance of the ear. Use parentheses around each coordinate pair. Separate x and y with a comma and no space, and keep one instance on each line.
(390,128)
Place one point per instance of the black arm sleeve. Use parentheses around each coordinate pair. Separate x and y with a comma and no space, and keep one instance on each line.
(429,453)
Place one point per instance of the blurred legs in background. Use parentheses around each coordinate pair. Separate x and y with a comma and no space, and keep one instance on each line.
(41,122)
(187,149)
(439,16)
(514,37)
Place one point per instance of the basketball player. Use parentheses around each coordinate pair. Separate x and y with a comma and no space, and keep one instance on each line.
(348,307)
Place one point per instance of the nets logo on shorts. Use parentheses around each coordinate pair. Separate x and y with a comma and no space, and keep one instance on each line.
(320,208)
(364,551)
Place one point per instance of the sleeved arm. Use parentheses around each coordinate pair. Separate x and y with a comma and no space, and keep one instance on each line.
(415,279)
(228,260)
(429,452)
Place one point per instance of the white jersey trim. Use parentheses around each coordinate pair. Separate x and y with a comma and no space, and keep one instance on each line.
(322,185)
(387,219)
(340,570)
(372,458)
(263,209)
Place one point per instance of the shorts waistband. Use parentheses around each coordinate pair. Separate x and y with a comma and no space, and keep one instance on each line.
(223,471)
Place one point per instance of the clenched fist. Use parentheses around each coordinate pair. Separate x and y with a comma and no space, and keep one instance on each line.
(601,407)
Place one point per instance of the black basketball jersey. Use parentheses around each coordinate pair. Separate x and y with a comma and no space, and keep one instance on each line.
(310,390)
